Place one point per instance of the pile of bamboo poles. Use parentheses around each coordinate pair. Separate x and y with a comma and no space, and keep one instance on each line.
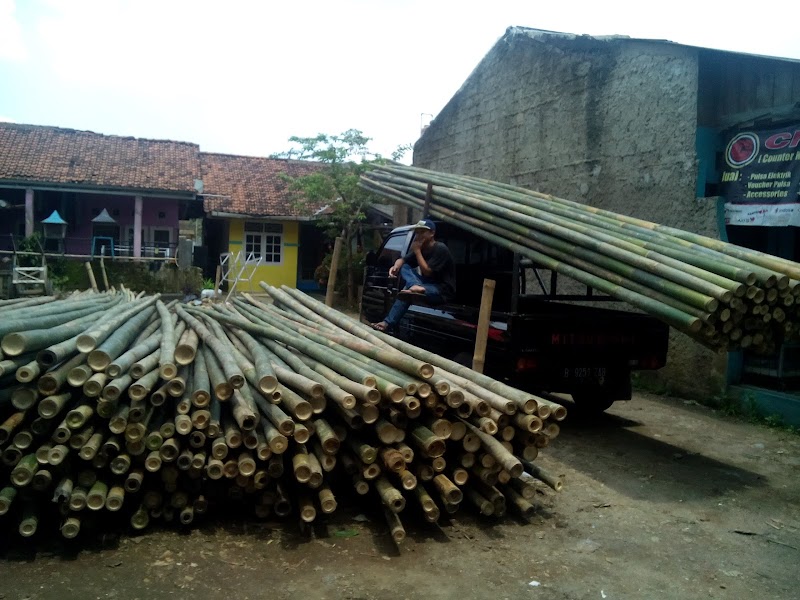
(132,409)
(724,296)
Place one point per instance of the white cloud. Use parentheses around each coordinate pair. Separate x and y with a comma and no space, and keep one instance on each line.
(242,76)
(12,42)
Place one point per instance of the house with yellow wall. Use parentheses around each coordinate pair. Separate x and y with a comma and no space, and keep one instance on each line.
(254,224)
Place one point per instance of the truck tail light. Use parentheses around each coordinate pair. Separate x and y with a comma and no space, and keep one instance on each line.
(653,362)
(648,362)
(497,335)
(494,334)
(527,363)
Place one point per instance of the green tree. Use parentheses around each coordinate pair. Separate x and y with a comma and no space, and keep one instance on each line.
(343,159)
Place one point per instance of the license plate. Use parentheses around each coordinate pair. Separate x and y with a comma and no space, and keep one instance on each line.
(585,373)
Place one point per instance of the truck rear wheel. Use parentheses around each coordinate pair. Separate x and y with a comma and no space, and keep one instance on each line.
(595,400)
(591,402)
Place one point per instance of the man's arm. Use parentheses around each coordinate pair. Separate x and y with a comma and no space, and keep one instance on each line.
(409,259)
(437,260)
(395,268)
(424,267)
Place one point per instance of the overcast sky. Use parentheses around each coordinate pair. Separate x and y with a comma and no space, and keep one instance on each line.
(241,77)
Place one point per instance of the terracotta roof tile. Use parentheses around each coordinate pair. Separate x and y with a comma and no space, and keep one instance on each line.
(250,185)
(38,154)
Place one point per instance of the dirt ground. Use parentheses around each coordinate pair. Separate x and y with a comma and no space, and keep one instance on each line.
(662,499)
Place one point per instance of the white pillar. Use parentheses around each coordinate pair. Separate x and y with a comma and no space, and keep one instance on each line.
(28,212)
(137,227)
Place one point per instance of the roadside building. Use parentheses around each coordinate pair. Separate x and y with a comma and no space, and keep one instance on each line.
(87,193)
(123,194)
(254,221)
(641,127)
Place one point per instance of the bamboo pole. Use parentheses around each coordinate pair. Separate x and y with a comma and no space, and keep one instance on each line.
(689,240)
(167,456)
(92,280)
(331,288)
(167,368)
(217,280)
(103,268)
(505,211)
(232,371)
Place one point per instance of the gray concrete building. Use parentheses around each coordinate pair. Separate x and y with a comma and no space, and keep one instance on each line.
(629,125)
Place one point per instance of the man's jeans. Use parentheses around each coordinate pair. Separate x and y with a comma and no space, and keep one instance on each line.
(411,277)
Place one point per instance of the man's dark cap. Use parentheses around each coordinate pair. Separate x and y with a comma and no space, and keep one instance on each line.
(425,224)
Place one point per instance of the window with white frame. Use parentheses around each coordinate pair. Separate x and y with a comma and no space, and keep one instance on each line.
(264,240)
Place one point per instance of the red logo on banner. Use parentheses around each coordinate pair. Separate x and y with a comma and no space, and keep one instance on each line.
(741,150)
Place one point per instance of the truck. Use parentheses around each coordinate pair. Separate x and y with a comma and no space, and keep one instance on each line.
(540,339)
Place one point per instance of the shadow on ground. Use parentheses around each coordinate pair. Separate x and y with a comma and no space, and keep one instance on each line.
(664,465)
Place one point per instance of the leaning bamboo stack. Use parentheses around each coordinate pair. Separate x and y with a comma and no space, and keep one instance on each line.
(133,411)
(725,296)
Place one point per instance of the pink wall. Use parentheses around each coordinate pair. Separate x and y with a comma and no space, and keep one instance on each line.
(156,212)
(77,209)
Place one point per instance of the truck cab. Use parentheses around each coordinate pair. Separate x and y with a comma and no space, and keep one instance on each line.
(539,339)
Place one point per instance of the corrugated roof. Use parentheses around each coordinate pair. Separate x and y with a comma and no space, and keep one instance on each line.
(250,185)
(52,155)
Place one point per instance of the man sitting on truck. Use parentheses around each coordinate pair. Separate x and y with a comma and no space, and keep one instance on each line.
(435,282)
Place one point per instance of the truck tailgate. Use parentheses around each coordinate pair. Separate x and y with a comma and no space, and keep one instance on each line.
(557,331)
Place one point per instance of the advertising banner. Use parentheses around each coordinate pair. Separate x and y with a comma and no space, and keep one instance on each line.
(761,177)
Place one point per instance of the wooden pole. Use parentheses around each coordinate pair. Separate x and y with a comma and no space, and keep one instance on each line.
(92,280)
(482,335)
(103,267)
(337,250)
(426,208)
(217,280)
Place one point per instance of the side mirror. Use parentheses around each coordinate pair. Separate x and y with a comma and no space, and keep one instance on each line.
(371,259)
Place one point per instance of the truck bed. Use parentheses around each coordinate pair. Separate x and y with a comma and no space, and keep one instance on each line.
(536,341)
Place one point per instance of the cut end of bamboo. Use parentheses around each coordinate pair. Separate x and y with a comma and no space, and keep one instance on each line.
(47,358)
(372,396)
(47,385)
(426,371)
(527,405)
(28,527)
(223,391)
(13,344)
(559,413)
(137,392)
(184,355)
(25,374)
(168,371)
(86,343)
(268,384)
(201,398)
(349,401)
(454,398)
(98,360)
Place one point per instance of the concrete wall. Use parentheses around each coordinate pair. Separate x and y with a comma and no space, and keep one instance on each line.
(610,123)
